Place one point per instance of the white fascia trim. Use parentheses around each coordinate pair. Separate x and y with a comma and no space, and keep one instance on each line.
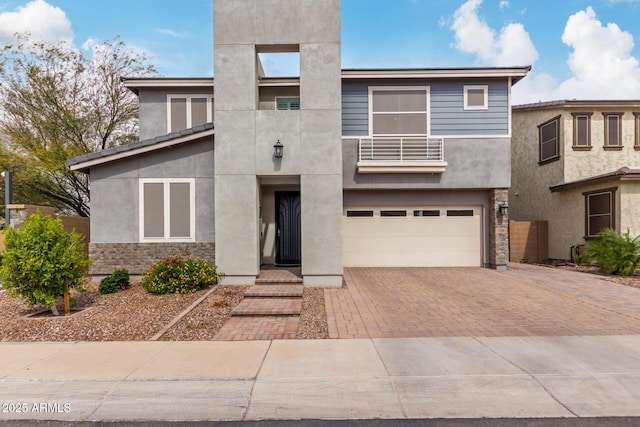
(509,109)
(430,136)
(470,136)
(436,73)
(400,167)
(170,83)
(146,149)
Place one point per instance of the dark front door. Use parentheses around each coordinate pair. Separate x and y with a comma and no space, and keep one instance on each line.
(288,246)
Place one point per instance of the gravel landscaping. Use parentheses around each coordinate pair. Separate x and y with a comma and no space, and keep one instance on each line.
(633,281)
(136,315)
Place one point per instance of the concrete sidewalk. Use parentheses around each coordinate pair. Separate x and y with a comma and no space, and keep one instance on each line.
(588,376)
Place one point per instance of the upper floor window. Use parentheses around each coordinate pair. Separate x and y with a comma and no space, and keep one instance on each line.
(398,110)
(636,125)
(582,131)
(549,137)
(187,111)
(612,131)
(599,210)
(167,209)
(476,97)
(288,103)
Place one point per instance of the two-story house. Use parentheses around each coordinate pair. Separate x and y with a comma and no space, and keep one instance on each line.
(332,168)
(576,164)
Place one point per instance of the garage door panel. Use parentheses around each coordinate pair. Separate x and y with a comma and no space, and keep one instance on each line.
(410,241)
(410,244)
(413,259)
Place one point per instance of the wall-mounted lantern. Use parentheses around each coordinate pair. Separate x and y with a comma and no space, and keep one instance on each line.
(503,209)
(278,150)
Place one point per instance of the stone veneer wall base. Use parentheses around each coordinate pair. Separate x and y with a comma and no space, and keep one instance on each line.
(138,257)
(498,230)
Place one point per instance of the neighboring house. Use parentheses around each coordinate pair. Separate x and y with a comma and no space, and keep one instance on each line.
(576,164)
(386,167)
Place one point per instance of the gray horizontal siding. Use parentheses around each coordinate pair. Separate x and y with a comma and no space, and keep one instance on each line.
(355,109)
(448,116)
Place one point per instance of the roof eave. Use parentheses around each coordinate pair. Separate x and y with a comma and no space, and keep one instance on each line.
(622,174)
(575,104)
(516,73)
(84,166)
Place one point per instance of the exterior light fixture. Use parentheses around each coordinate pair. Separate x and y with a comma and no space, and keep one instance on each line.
(278,150)
(503,209)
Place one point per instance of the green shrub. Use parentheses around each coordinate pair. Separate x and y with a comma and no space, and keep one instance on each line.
(614,253)
(119,279)
(180,276)
(40,257)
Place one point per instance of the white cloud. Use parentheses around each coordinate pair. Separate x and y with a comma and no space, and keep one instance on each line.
(512,46)
(503,4)
(601,62)
(89,44)
(170,33)
(44,21)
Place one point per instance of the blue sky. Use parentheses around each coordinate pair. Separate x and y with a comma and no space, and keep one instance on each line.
(599,57)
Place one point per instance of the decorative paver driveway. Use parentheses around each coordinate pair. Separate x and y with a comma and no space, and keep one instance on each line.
(524,300)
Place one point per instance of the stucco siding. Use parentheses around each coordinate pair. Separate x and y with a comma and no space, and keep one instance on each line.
(153,108)
(447,117)
(472,163)
(597,161)
(153,113)
(565,214)
(115,188)
(529,196)
(628,218)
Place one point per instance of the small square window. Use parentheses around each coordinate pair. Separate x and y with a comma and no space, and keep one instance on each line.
(476,97)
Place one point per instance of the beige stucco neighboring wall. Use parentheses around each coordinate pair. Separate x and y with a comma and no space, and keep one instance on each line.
(529,195)
(565,214)
(597,161)
(628,214)
(530,198)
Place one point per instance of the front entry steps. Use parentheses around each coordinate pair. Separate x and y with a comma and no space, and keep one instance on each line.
(270,309)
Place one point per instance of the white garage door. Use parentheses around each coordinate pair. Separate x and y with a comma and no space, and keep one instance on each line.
(413,236)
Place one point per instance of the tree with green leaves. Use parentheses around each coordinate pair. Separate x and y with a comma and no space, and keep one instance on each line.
(56,104)
(42,261)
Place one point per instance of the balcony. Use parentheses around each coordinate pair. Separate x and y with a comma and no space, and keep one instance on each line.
(401,155)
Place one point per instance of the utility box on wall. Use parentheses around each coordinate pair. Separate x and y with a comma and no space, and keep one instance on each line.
(528,241)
